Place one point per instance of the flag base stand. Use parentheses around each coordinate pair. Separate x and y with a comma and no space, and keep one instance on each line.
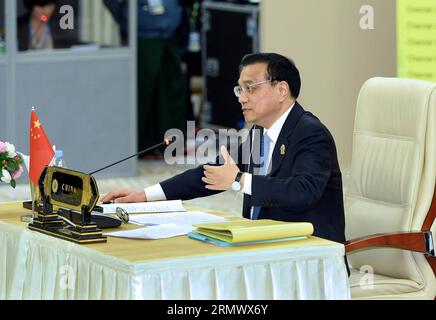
(74,194)
(58,229)
(28,205)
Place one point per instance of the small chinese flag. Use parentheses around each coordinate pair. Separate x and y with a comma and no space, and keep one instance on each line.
(41,151)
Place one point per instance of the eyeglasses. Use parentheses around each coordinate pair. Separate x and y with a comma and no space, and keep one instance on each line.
(247,88)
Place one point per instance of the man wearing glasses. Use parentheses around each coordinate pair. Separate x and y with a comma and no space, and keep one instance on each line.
(297,177)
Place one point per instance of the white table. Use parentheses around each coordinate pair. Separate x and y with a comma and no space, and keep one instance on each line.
(36,266)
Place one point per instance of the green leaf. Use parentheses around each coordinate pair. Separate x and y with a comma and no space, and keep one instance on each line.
(12,166)
(13,184)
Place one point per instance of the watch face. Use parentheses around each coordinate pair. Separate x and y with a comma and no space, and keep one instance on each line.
(236,186)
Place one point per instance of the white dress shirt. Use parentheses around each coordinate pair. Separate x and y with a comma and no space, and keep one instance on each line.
(156,193)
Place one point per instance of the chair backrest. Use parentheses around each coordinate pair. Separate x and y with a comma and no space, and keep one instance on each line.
(393,171)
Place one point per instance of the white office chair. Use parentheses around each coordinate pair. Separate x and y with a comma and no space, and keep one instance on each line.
(390,199)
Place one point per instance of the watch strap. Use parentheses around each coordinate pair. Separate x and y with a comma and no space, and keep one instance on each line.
(239,176)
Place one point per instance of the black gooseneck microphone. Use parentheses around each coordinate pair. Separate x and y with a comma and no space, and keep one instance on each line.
(166,142)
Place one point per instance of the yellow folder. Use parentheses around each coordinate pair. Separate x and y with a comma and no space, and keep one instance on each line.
(254,230)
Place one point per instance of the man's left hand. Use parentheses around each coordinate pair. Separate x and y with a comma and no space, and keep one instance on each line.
(221,178)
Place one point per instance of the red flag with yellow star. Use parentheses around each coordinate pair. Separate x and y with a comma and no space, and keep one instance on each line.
(41,151)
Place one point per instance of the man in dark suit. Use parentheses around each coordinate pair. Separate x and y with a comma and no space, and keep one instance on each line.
(298,180)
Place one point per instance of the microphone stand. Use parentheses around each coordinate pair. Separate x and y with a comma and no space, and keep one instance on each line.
(166,143)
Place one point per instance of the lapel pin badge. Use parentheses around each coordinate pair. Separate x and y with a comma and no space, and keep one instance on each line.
(283,150)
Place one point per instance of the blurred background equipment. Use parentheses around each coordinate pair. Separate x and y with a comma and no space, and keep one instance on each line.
(230,31)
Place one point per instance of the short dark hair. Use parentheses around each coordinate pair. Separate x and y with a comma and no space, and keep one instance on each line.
(32,3)
(279,68)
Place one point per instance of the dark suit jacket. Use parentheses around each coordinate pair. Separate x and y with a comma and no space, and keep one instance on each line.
(62,39)
(304,185)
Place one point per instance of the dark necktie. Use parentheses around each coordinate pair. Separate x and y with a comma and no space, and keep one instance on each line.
(264,153)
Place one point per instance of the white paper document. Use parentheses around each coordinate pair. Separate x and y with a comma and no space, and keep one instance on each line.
(153,233)
(165,225)
(178,218)
(146,207)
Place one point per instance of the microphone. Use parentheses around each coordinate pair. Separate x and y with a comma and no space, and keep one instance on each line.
(166,143)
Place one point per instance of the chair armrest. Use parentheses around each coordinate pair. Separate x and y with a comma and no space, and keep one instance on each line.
(412,241)
(432,262)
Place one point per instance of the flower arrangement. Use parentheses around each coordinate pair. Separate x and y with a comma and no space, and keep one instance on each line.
(11,164)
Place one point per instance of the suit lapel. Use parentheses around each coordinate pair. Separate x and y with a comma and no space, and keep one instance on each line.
(282,144)
(278,154)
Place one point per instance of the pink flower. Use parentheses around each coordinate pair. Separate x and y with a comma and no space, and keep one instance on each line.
(2,146)
(10,148)
(18,173)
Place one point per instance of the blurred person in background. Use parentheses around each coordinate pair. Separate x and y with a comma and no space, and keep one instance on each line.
(39,30)
(161,84)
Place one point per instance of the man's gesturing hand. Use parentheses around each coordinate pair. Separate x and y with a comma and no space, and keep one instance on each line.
(221,178)
(125,196)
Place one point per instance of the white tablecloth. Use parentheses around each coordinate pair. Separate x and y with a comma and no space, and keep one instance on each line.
(36,266)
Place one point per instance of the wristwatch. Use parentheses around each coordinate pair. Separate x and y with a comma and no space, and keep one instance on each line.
(236,186)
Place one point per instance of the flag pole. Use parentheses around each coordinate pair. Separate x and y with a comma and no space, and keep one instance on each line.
(32,192)
(30,218)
